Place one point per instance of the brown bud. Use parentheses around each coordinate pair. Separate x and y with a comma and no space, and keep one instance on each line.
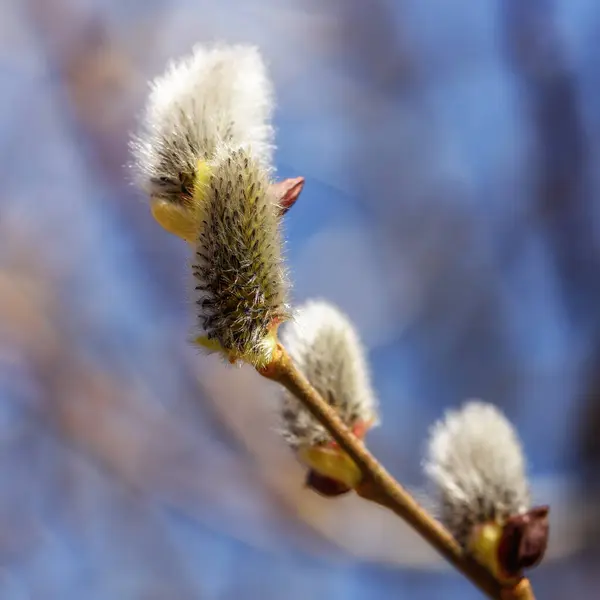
(325,486)
(524,541)
(287,192)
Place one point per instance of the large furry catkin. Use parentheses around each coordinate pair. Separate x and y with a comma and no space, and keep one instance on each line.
(219,95)
(241,283)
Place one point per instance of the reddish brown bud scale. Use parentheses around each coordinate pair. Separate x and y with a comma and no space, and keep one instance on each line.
(287,192)
(524,541)
(325,486)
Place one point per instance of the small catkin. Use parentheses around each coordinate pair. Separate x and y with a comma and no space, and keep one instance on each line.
(475,462)
(217,95)
(325,347)
(241,281)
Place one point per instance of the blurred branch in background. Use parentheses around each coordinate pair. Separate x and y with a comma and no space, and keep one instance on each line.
(588,451)
(562,201)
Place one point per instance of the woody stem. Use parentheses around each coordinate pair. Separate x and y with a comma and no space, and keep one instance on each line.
(380,487)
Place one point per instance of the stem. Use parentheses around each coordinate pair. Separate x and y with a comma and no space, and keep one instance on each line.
(380,487)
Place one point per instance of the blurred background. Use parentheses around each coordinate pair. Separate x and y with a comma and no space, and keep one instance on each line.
(451,153)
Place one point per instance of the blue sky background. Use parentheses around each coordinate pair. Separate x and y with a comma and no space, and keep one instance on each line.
(451,209)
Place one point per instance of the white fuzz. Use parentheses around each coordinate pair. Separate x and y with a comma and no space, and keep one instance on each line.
(239,271)
(216,96)
(475,461)
(325,347)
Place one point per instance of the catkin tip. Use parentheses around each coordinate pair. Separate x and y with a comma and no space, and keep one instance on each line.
(216,95)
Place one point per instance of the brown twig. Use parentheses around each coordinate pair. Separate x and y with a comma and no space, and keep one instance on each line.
(380,487)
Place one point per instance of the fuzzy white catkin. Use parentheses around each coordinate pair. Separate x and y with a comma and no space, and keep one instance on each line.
(475,461)
(325,347)
(219,95)
(241,280)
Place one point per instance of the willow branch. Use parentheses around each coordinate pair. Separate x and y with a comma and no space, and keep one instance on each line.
(380,487)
